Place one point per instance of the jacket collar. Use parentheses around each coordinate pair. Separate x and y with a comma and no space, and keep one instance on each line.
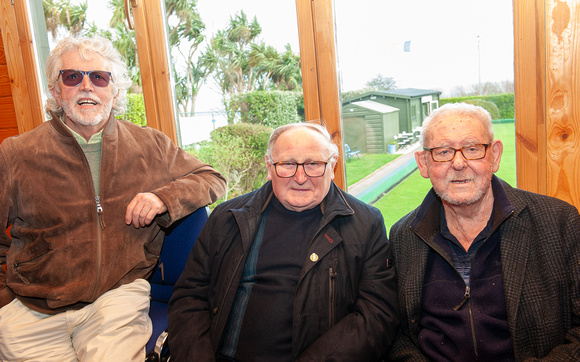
(333,204)
(427,221)
(249,214)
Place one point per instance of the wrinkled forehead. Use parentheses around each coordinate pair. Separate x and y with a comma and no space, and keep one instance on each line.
(83,58)
(301,143)
(456,126)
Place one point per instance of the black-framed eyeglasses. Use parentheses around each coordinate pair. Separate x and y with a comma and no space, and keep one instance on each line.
(73,77)
(446,154)
(311,168)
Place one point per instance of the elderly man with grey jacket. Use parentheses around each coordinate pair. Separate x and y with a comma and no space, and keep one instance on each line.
(486,272)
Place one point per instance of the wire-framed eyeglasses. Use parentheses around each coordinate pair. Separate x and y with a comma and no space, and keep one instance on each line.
(446,154)
(73,77)
(311,168)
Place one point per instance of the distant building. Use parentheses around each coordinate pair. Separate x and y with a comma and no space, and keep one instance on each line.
(372,119)
(368,126)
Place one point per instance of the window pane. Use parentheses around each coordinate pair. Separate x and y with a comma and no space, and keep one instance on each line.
(52,21)
(399,60)
(240,68)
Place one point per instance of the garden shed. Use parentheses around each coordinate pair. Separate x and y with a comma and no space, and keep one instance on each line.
(369,126)
(414,105)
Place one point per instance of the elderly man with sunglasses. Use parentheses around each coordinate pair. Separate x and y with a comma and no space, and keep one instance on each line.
(486,272)
(295,271)
(86,196)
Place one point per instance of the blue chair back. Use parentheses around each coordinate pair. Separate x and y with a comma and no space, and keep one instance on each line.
(179,240)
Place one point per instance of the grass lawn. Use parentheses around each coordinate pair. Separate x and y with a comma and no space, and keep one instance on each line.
(407,195)
(359,168)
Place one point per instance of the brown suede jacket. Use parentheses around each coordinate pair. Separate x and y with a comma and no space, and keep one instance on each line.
(64,253)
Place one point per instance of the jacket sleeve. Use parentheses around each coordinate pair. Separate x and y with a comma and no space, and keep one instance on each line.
(189,314)
(570,247)
(403,347)
(368,330)
(6,295)
(193,184)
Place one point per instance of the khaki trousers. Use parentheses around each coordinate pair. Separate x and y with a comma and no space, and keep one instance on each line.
(115,327)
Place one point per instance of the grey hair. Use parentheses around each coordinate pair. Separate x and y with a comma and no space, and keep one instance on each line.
(88,48)
(456,109)
(320,129)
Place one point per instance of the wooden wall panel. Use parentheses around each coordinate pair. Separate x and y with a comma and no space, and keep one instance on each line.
(5,90)
(529,76)
(563,100)
(547,97)
(19,51)
(8,123)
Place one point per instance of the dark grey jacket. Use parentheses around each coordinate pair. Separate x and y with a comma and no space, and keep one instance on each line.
(359,326)
(540,257)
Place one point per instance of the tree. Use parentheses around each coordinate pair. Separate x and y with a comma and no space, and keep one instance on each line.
(185,36)
(238,150)
(378,83)
(236,68)
(62,14)
(382,83)
(243,64)
(287,74)
(230,51)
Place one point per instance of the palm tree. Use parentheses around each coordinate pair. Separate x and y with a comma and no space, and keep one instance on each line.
(185,36)
(63,14)
(287,71)
(264,59)
(230,50)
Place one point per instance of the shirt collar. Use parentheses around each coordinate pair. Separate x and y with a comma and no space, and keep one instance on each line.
(96,138)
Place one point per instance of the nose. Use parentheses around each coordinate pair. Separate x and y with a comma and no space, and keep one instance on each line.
(86,83)
(458,161)
(300,176)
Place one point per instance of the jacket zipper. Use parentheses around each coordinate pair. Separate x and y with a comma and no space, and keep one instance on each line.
(473,331)
(467,294)
(466,297)
(100,227)
(332,273)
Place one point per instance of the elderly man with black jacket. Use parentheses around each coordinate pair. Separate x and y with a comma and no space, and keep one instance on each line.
(295,271)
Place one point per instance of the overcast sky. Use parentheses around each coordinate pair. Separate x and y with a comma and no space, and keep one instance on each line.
(444,39)
(452,42)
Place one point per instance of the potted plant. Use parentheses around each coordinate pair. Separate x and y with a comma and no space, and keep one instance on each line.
(392,145)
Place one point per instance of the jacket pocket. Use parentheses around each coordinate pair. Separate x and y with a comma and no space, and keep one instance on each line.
(29,258)
(332,274)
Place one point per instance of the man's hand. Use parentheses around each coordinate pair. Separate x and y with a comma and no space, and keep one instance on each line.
(143,208)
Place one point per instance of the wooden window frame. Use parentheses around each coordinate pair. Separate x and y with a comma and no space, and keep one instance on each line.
(546,86)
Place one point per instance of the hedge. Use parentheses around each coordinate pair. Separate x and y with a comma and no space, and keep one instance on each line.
(269,108)
(504,103)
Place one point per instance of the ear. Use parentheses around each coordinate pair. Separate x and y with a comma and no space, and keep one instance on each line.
(269,166)
(56,94)
(116,97)
(496,152)
(333,163)
(421,158)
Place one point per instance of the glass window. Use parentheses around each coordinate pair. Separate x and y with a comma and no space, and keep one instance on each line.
(208,65)
(398,60)
(236,72)
(54,20)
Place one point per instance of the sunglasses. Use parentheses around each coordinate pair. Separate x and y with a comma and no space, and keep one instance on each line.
(72,77)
